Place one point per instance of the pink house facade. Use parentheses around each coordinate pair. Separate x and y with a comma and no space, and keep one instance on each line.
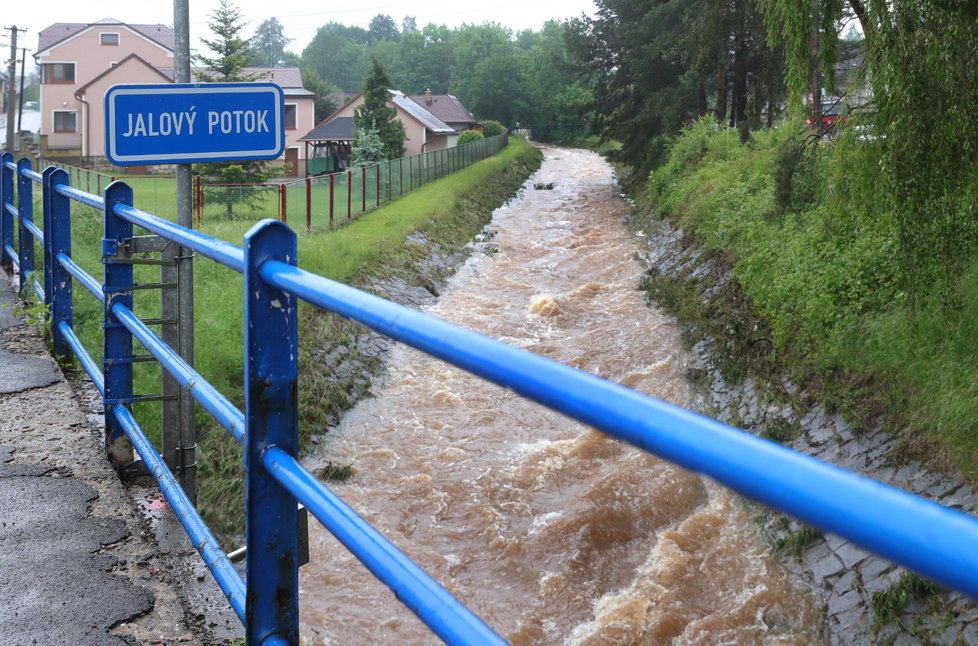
(80,62)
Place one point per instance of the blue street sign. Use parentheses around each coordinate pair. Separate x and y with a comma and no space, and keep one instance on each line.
(193,122)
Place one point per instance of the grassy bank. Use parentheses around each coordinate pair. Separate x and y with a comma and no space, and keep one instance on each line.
(810,233)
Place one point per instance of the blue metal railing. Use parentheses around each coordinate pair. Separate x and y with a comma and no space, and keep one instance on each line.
(933,540)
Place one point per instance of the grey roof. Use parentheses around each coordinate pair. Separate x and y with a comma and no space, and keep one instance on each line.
(430,121)
(59,31)
(339,129)
(445,107)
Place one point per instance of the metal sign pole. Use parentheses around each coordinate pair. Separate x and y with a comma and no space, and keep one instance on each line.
(183,308)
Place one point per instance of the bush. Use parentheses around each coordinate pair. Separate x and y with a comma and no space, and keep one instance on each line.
(468,136)
(491,128)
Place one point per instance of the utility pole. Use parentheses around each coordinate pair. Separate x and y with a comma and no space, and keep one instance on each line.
(11,91)
(20,99)
(180,429)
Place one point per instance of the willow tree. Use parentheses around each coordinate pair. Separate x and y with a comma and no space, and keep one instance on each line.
(920,58)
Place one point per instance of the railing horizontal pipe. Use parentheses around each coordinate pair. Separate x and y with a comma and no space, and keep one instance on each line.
(87,280)
(87,199)
(11,165)
(936,541)
(34,230)
(38,290)
(84,359)
(200,535)
(12,210)
(219,251)
(33,175)
(209,397)
(13,256)
(438,609)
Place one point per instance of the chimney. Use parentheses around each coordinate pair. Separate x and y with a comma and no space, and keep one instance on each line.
(427,97)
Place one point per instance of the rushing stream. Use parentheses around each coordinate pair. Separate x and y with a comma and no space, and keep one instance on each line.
(551,532)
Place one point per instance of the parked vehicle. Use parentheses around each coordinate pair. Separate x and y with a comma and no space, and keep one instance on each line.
(833,110)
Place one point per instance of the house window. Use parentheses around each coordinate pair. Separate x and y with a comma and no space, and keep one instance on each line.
(108,39)
(58,73)
(291,122)
(65,122)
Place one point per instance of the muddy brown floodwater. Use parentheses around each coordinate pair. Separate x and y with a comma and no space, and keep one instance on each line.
(551,532)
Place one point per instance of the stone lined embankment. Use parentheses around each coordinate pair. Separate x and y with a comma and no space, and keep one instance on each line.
(845,577)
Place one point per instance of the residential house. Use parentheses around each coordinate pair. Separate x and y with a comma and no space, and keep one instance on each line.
(331,139)
(72,55)
(80,62)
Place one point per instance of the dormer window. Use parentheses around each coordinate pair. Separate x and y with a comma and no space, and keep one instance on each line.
(108,38)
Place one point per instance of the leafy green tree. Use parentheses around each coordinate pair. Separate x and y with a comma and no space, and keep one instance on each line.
(486,70)
(423,60)
(339,54)
(325,104)
(654,65)
(383,27)
(639,96)
(376,114)
(268,45)
(229,55)
(558,104)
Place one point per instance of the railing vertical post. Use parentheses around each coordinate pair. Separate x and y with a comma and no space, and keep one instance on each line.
(47,265)
(378,184)
(200,200)
(349,194)
(363,189)
(400,174)
(308,203)
(57,240)
(390,181)
(285,217)
(332,192)
(117,340)
(25,214)
(271,410)
(6,219)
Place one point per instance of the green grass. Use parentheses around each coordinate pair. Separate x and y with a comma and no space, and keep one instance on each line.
(888,606)
(817,259)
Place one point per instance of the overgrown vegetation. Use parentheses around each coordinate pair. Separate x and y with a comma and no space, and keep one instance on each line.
(919,62)
(813,239)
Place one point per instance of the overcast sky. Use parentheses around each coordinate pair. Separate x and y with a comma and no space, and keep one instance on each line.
(300,19)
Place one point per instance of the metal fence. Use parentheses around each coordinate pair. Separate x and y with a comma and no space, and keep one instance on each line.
(936,541)
(318,201)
